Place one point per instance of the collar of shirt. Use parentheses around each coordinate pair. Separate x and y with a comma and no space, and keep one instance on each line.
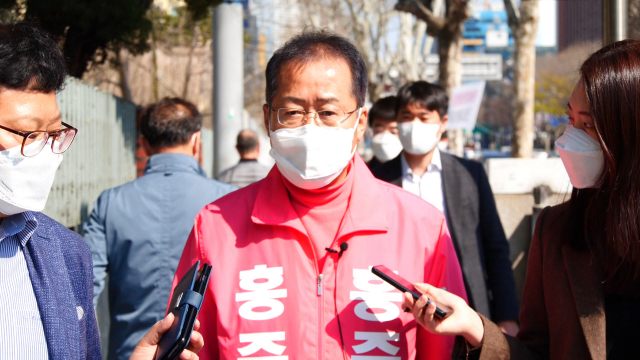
(434,166)
(22,225)
(172,162)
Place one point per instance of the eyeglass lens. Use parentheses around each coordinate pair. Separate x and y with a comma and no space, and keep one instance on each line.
(34,143)
(63,140)
(296,117)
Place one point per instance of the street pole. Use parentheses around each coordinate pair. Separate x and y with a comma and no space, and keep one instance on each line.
(228,83)
(614,21)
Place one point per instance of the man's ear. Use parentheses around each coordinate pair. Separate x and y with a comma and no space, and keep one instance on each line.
(362,124)
(196,143)
(266,111)
(443,125)
(146,147)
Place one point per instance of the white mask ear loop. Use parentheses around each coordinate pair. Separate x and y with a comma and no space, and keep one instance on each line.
(354,130)
(358,119)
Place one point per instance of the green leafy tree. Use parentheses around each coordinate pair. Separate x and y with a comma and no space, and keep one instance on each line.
(552,94)
(88,29)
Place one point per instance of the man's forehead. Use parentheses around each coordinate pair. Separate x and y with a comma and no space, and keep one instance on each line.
(327,69)
(384,121)
(28,110)
(416,108)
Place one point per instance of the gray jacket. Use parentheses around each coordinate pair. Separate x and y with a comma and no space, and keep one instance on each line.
(246,172)
(136,233)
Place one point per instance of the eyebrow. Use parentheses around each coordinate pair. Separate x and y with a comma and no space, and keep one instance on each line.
(295,100)
(36,120)
(56,118)
(303,101)
(586,113)
(328,100)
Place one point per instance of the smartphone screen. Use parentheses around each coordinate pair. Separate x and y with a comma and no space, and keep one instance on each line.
(403,285)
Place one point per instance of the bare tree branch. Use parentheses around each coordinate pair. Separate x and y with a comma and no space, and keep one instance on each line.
(513,14)
(435,24)
(458,12)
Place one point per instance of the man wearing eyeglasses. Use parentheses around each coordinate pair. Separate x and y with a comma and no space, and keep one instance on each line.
(46,309)
(292,253)
(46,279)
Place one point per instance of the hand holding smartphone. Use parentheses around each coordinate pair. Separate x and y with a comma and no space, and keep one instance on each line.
(403,285)
(185,304)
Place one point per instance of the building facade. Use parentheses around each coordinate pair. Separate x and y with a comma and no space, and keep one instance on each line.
(579,22)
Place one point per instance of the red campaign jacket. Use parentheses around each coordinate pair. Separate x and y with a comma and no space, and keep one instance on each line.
(267,300)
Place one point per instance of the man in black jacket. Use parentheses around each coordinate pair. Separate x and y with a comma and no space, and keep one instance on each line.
(460,189)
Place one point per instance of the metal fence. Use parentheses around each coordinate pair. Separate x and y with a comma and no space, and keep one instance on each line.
(102,155)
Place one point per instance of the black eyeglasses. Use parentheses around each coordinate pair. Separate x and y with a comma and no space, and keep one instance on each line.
(35,141)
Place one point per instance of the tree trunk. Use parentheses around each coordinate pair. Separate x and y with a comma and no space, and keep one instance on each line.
(524,80)
(450,68)
(154,75)
(125,87)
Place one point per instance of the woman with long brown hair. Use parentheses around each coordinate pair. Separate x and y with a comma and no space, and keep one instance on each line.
(582,293)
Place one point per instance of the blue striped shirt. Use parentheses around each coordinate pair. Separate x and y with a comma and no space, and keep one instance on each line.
(21,332)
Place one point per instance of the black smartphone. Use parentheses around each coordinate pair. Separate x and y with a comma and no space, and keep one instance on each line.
(403,285)
(185,305)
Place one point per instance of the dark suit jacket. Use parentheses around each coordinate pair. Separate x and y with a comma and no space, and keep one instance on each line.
(373,163)
(61,273)
(476,232)
(562,313)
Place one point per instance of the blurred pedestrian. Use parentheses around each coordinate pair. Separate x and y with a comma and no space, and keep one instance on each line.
(385,142)
(460,189)
(137,231)
(46,310)
(582,295)
(248,170)
(293,252)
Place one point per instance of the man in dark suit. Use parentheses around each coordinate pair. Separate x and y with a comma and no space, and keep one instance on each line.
(460,189)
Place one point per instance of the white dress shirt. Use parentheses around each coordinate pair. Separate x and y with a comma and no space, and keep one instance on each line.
(21,332)
(429,186)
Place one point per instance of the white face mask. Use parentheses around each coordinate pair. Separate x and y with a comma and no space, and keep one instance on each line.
(25,183)
(418,138)
(582,157)
(386,146)
(310,156)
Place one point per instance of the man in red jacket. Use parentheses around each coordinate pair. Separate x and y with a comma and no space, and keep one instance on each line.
(292,253)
